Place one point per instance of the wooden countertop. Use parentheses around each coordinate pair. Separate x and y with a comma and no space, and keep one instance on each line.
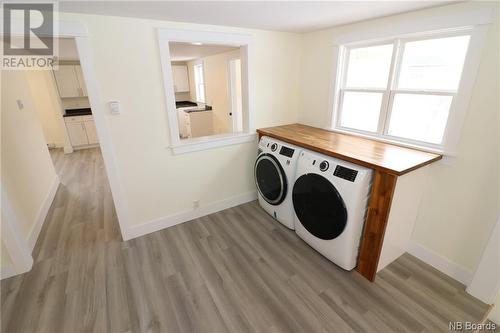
(377,155)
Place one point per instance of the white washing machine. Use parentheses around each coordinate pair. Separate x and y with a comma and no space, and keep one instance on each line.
(330,198)
(274,172)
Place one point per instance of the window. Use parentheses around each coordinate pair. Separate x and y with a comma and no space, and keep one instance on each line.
(401,89)
(207,92)
(199,83)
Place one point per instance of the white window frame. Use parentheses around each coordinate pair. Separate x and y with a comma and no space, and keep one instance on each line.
(198,84)
(477,27)
(245,43)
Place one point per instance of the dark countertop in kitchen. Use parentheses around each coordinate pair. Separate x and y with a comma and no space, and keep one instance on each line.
(188,107)
(78,112)
(184,104)
(198,110)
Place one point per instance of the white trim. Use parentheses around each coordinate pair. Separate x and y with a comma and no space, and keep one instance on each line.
(15,244)
(98,112)
(78,31)
(186,36)
(42,213)
(178,218)
(209,142)
(95,145)
(7,272)
(442,264)
(460,101)
(411,25)
(386,139)
(486,281)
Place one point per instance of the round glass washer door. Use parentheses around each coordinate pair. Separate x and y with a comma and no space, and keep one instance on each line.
(270,179)
(319,206)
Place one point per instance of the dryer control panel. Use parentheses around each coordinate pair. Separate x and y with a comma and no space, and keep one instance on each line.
(345,173)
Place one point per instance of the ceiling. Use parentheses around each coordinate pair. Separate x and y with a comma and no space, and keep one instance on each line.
(187,51)
(292,16)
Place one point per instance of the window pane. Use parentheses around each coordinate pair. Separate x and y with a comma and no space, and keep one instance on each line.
(433,64)
(198,74)
(369,66)
(420,117)
(360,110)
(200,92)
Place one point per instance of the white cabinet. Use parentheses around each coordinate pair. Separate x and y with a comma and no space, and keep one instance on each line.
(77,134)
(91,132)
(200,123)
(81,131)
(181,79)
(70,83)
(81,81)
(67,82)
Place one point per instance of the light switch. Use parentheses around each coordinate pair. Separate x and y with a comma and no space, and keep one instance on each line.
(114,107)
(20,104)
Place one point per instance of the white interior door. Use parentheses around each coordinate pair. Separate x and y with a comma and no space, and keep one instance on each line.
(236,118)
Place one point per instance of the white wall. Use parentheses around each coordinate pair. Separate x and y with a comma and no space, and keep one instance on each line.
(28,176)
(47,106)
(182,96)
(215,68)
(75,102)
(460,201)
(156,183)
(5,257)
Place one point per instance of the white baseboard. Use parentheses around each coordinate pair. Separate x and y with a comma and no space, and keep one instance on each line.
(441,263)
(171,220)
(86,146)
(6,272)
(68,149)
(42,213)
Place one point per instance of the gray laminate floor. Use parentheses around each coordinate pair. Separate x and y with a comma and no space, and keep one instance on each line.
(233,271)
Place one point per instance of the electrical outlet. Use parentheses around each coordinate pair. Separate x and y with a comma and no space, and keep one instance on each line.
(196,204)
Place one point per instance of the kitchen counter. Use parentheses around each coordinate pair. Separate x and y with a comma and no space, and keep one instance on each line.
(183,104)
(77,112)
(399,175)
(197,110)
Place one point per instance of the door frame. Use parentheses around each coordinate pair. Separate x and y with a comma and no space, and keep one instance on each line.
(231,85)
(78,31)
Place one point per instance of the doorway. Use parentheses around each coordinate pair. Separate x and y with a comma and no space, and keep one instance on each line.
(55,105)
(235,95)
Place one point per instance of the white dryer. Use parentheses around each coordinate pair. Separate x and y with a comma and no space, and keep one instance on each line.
(274,172)
(330,198)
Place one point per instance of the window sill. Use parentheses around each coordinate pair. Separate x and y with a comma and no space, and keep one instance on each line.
(210,142)
(388,140)
(449,157)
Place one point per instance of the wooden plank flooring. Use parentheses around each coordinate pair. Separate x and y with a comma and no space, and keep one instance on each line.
(233,271)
